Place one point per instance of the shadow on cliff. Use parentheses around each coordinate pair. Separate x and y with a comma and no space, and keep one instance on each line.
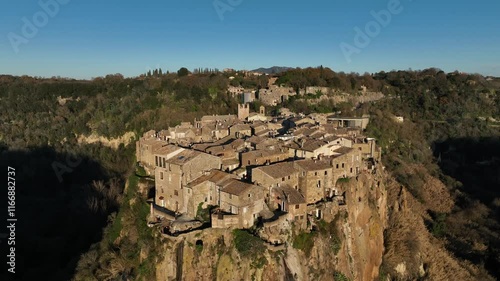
(472,167)
(58,218)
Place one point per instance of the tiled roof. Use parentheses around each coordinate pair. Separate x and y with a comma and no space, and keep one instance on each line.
(343,150)
(291,195)
(215,176)
(236,187)
(184,157)
(167,149)
(314,165)
(279,170)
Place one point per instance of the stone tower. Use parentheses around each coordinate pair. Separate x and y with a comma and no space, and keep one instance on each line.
(243,111)
(262,110)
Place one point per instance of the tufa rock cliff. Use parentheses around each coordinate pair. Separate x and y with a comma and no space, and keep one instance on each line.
(347,242)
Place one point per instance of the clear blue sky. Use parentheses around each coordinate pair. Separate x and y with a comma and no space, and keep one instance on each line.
(93,38)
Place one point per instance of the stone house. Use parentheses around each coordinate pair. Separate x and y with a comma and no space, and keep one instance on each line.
(215,119)
(175,173)
(262,157)
(316,179)
(276,175)
(240,131)
(205,191)
(256,117)
(312,148)
(242,199)
(350,122)
(367,146)
(346,163)
(289,200)
(145,150)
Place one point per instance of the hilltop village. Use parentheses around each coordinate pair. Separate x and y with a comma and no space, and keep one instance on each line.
(249,168)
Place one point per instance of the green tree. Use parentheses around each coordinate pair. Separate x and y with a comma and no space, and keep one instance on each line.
(182,72)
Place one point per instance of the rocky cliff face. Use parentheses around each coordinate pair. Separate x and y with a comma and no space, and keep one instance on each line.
(347,244)
(412,251)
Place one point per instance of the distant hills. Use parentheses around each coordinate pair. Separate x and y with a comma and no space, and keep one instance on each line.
(272,70)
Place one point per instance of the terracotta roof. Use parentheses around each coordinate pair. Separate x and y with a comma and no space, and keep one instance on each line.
(343,150)
(236,187)
(167,149)
(265,152)
(255,140)
(215,176)
(308,145)
(314,165)
(152,141)
(184,157)
(291,195)
(279,170)
(240,127)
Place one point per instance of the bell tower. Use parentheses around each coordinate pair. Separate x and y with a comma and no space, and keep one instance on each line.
(243,111)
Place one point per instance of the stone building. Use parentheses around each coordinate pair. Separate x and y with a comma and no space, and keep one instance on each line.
(145,150)
(263,156)
(242,199)
(316,179)
(243,111)
(205,191)
(276,175)
(175,173)
(289,200)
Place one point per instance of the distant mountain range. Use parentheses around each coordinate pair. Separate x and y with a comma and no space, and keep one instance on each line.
(272,70)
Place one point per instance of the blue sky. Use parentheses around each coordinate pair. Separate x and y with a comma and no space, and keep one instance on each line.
(91,38)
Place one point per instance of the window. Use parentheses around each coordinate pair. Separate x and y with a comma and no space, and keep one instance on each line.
(351,170)
(230,196)
(176,193)
(343,165)
(303,174)
(161,175)
(156,160)
(288,177)
(326,173)
(283,179)
(164,163)
(337,166)
(296,206)
(248,162)
(315,173)
(319,184)
(249,195)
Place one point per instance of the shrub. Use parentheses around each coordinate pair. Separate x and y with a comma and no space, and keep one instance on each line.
(339,276)
(246,244)
(305,242)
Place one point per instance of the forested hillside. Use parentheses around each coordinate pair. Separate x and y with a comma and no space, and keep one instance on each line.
(67,192)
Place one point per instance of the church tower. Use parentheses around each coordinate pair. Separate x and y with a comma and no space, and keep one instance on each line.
(243,111)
